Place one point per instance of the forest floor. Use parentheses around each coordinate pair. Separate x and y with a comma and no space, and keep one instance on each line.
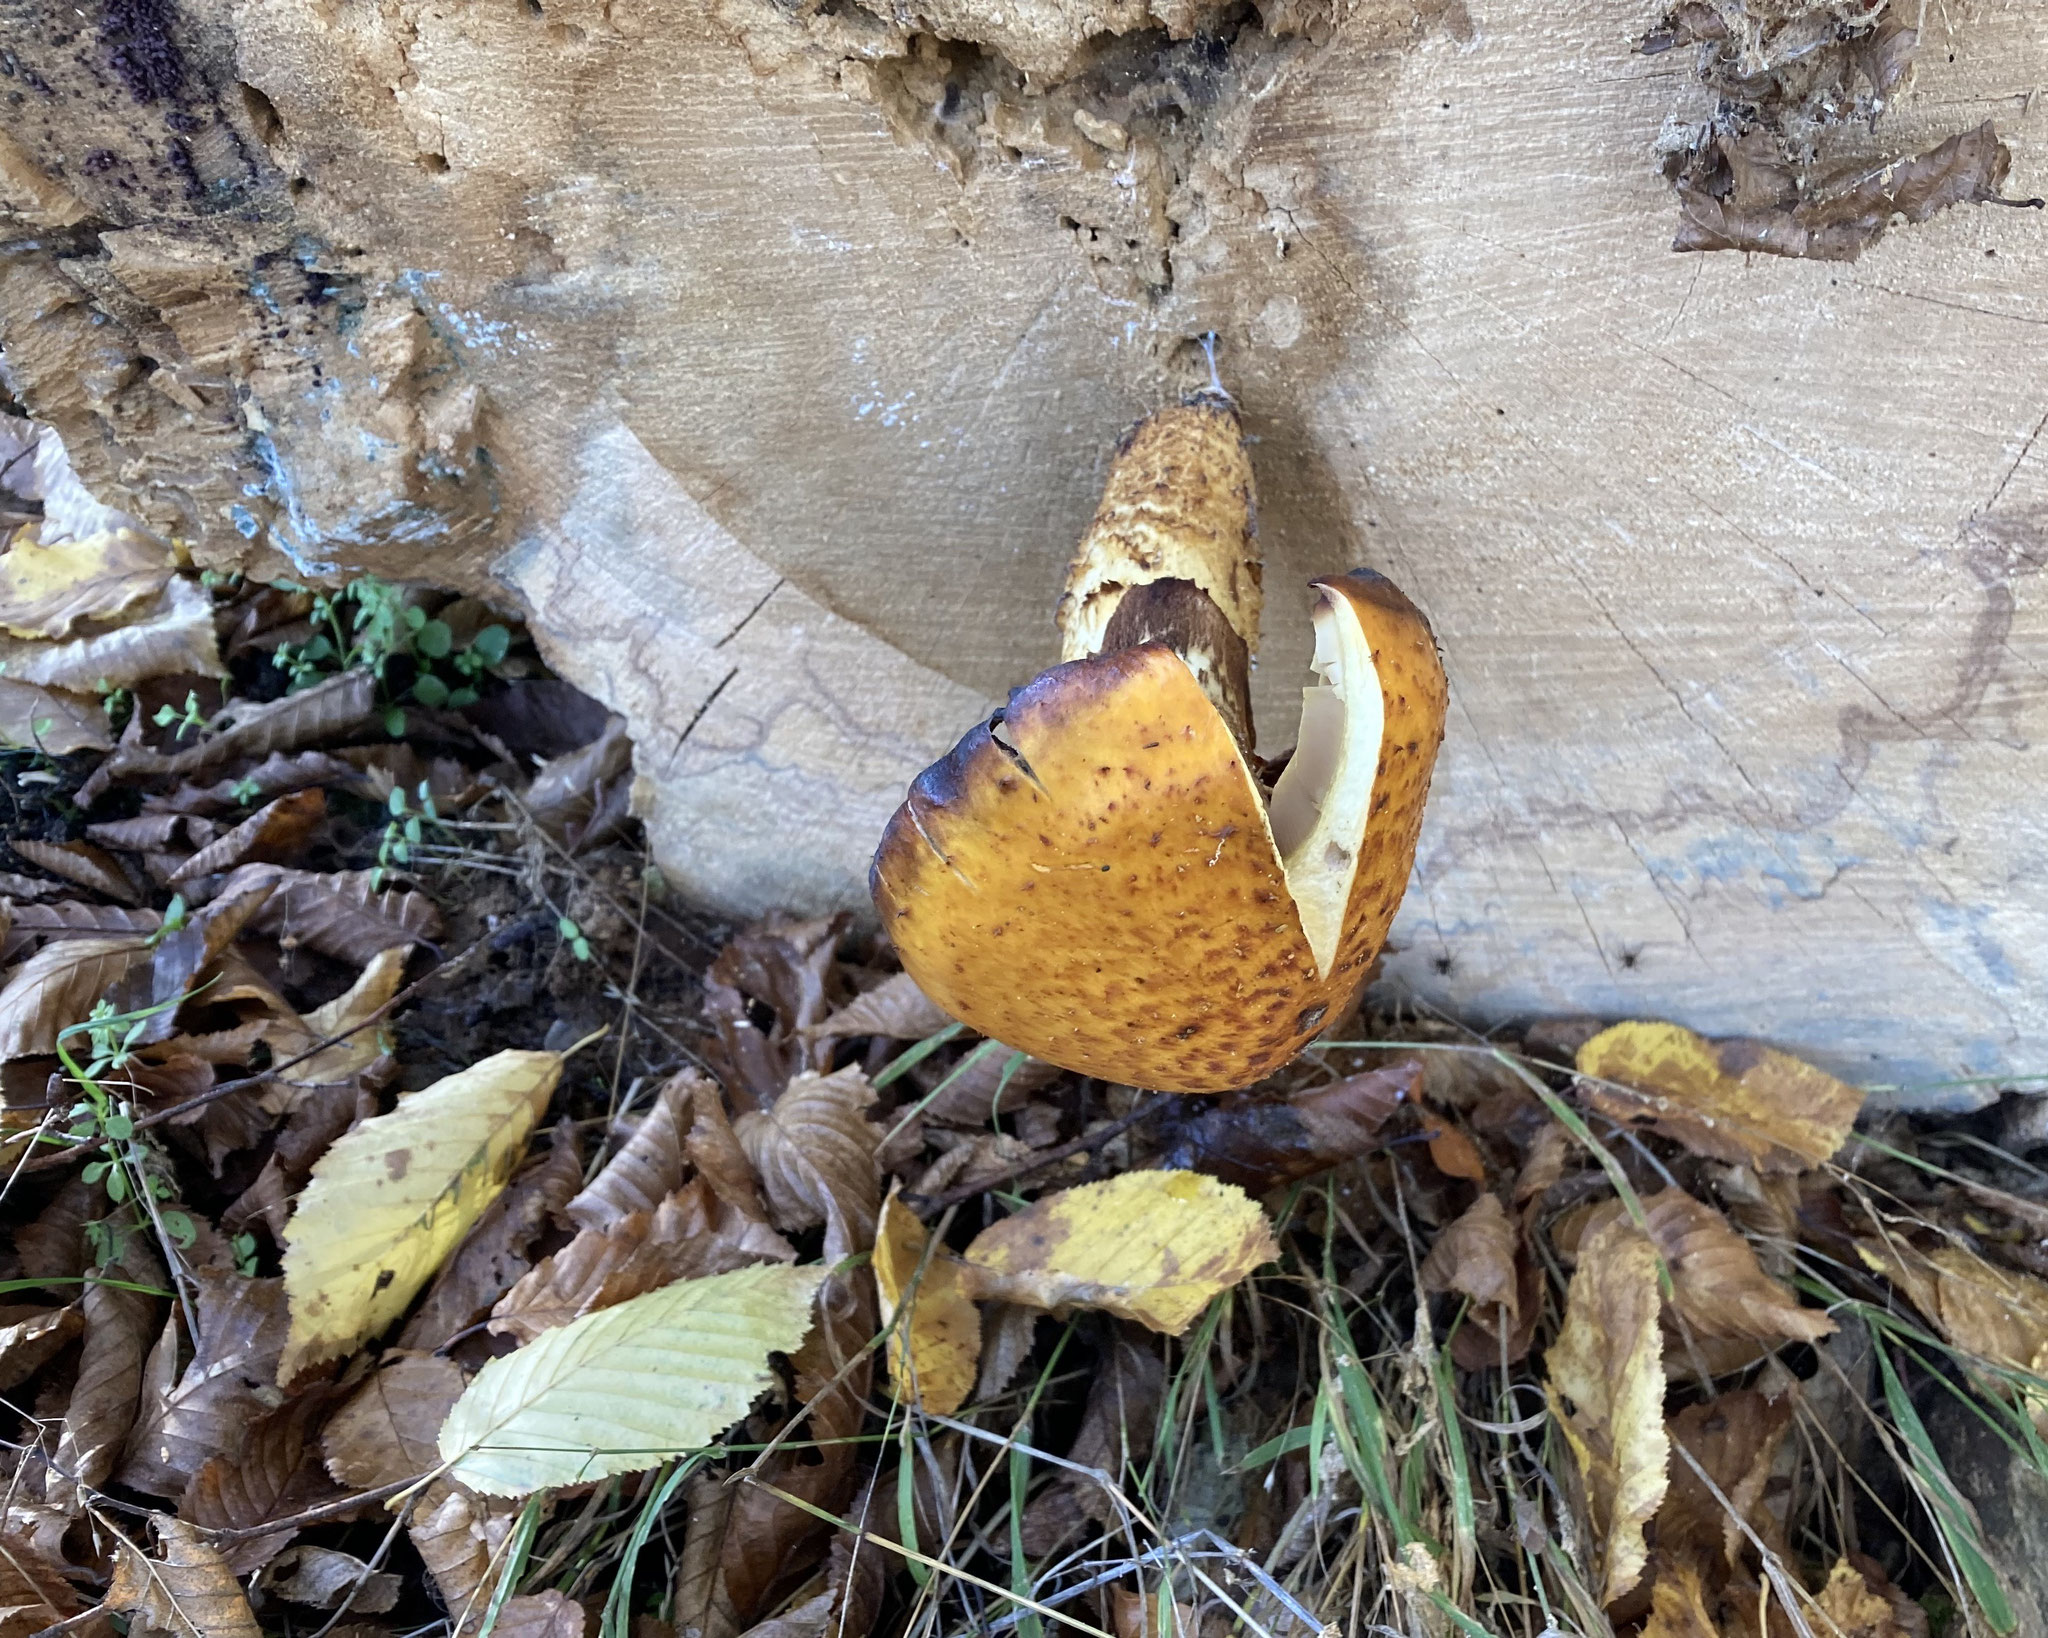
(416,1219)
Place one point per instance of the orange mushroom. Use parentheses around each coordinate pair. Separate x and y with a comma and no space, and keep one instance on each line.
(1098,875)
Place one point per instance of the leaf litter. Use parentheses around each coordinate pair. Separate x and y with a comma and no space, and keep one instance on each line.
(419,1219)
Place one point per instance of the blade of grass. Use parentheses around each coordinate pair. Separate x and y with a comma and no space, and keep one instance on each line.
(908,1059)
(1944,1503)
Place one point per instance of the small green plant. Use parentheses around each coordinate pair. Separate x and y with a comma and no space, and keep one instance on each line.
(368,623)
(403,831)
(191,719)
(118,703)
(572,935)
(174,921)
(244,1248)
(245,790)
(134,1171)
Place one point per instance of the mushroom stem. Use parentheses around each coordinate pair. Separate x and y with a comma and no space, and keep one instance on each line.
(1172,555)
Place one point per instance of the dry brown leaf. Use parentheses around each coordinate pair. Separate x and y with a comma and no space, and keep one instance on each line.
(172,637)
(228,1385)
(1476,1256)
(989,1080)
(51,721)
(1543,1161)
(689,1235)
(30,1339)
(328,711)
(120,1325)
(935,1349)
(140,1467)
(354,1053)
(895,1008)
(83,865)
(1007,1335)
(1992,1312)
(1454,1154)
(1720,1288)
(1743,193)
(35,925)
(151,832)
(457,1535)
(649,1166)
(33,1591)
(275,1475)
(1736,1101)
(814,1152)
(1678,1604)
(1155,1247)
(188,1592)
(493,1257)
(718,1156)
(341,915)
(1146,1615)
(322,1578)
(319,1115)
(1606,1391)
(1118,1425)
(273,833)
(789,967)
(57,986)
(276,775)
(384,1432)
(48,591)
(545,1614)
(1859,1602)
(972,1161)
(1735,1440)
(767,1538)
(701,1605)
(53,1246)
(1262,1143)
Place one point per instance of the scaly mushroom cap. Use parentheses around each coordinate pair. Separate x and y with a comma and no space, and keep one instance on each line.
(1091,877)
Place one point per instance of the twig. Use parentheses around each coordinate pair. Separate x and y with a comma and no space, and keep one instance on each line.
(224,1535)
(1088,1142)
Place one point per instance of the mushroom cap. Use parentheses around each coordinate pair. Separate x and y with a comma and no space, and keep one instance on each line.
(1091,878)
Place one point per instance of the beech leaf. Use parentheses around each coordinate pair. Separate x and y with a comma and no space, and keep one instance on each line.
(628,1387)
(394,1196)
(935,1349)
(57,986)
(1738,1101)
(1606,1393)
(1154,1247)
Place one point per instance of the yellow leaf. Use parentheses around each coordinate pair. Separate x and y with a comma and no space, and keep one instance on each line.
(392,1198)
(1852,1607)
(1995,1313)
(1738,1101)
(349,1057)
(1678,1605)
(627,1387)
(172,634)
(935,1353)
(1148,1246)
(46,591)
(1608,1362)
